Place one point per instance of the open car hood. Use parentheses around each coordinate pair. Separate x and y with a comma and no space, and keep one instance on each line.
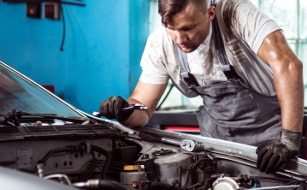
(45,140)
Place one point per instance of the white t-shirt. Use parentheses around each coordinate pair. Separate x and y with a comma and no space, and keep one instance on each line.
(247,24)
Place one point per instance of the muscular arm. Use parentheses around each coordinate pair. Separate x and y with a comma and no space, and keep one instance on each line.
(288,78)
(149,95)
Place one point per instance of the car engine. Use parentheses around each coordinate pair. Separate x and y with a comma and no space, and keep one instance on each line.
(97,157)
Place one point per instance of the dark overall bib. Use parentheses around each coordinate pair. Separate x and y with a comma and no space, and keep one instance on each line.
(232,110)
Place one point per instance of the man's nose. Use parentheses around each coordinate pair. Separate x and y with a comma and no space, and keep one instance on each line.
(180,37)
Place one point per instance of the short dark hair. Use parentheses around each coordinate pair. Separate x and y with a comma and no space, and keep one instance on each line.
(168,8)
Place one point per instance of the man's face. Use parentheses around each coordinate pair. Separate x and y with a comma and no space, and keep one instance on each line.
(190,27)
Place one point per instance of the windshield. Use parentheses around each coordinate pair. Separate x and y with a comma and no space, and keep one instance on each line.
(19,93)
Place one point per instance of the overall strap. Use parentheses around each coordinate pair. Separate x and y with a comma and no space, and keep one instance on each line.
(185,71)
(220,50)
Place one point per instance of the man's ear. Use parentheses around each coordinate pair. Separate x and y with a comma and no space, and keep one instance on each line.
(211,12)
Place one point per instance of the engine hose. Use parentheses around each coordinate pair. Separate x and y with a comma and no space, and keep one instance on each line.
(52,152)
(100,184)
(208,183)
(165,97)
(108,159)
(158,185)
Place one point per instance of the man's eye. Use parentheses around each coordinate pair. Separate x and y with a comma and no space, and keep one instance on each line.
(187,28)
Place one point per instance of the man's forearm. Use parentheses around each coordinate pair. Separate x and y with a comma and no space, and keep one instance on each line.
(139,118)
(290,91)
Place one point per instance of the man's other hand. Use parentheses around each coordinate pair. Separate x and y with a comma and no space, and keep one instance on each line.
(274,154)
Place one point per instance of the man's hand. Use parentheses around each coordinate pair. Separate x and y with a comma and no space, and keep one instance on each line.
(112,108)
(274,154)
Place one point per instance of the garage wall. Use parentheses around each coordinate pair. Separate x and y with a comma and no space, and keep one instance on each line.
(102,48)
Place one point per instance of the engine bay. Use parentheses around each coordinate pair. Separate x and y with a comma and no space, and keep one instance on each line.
(96,157)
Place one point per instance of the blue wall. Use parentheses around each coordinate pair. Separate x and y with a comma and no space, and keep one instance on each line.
(103,46)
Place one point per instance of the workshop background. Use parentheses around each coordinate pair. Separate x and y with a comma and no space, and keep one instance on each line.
(90,49)
(102,46)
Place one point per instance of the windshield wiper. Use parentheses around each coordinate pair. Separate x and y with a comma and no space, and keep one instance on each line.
(15,117)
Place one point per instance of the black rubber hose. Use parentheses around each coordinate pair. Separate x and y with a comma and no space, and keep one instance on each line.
(108,159)
(165,97)
(110,185)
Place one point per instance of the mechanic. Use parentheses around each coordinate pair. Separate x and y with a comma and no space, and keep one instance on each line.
(238,60)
